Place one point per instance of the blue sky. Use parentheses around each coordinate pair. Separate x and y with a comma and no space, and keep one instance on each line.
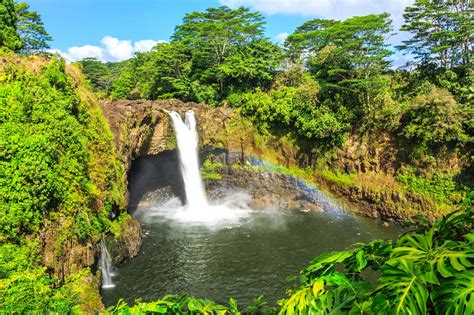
(113,30)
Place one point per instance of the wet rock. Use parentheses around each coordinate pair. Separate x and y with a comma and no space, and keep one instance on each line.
(267,190)
(64,258)
(127,244)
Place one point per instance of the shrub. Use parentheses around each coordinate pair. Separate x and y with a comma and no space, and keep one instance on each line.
(296,111)
(434,121)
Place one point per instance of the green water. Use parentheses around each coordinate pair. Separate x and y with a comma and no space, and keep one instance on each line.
(240,260)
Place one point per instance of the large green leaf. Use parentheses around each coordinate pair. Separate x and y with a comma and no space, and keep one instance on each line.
(325,264)
(330,294)
(402,290)
(434,259)
(455,295)
(373,254)
(204,306)
(300,301)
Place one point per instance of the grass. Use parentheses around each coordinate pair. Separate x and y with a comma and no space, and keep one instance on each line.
(442,189)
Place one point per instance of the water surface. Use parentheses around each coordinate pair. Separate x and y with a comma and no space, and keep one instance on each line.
(249,257)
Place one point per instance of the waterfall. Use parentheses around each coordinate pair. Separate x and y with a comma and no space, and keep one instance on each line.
(196,210)
(187,144)
(105,264)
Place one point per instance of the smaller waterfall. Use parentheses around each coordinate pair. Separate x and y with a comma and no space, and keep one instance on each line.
(105,264)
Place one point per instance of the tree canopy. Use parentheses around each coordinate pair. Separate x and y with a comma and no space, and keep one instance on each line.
(442,32)
(350,47)
(347,57)
(212,55)
(9,37)
(31,30)
(217,30)
(21,30)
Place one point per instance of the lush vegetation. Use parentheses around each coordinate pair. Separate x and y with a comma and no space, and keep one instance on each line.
(58,172)
(61,183)
(330,83)
(60,180)
(331,80)
(21,30)
(209,170)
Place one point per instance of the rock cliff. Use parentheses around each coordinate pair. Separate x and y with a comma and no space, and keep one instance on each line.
(143,128)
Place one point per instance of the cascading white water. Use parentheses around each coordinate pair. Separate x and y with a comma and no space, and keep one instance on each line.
(197,209)
(105,264)
(187,144)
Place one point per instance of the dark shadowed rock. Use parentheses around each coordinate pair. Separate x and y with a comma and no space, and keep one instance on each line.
(127,244)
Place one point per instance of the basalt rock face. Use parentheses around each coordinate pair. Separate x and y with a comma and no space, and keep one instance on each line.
(268,190)
(68,257)
(386,204)
(374,154)
(127,244)
(143,128)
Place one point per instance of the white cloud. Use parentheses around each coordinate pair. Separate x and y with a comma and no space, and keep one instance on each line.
(115,49)
(146,45)
(112,49)
(333,9)
(281,37)
(84,51)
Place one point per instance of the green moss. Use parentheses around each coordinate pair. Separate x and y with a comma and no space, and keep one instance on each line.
(170,141)
(25,287)
(294,171)
(337,177)
(84,287)
(116,225)
(209,170)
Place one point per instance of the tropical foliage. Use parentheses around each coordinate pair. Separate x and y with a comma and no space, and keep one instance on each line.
(442,32)
(331,80)
(415,273)
(58,171)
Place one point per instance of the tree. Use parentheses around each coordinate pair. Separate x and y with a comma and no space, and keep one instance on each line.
(435,121)
(442,32)
(220,29)
(97,73)
(250,66)
(21,30)
(348,58)
(216,34)
(168,68)
(295,110)
(343,50)
(212,55)
(31,30)
(9,37)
